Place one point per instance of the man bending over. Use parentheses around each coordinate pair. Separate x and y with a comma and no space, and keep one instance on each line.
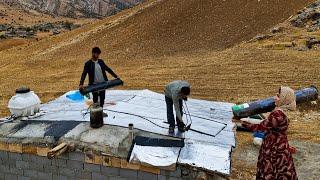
(175,93)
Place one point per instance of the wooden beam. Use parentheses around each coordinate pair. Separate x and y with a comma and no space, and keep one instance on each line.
(57,151)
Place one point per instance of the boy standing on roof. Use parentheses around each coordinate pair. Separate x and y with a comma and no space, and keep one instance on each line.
(96,69)
(175,93)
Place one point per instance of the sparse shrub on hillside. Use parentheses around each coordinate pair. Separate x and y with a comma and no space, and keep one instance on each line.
(69,25)
(2,36)
(28,29)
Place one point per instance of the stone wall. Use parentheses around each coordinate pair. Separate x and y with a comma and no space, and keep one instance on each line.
(22,166)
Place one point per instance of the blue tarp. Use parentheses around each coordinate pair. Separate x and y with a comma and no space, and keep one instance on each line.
(75,96)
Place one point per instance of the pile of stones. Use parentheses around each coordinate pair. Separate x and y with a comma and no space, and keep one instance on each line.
(9,31)
(309,17)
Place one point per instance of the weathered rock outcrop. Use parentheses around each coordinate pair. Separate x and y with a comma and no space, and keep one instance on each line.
(75,8)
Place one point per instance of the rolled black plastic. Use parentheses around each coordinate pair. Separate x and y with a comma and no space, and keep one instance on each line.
(268,105)
(101,86)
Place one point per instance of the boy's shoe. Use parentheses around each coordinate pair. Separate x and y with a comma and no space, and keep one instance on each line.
(171,130)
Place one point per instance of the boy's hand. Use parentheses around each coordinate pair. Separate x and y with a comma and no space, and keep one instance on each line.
(81,87)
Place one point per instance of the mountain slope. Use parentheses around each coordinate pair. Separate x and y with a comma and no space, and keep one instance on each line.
(159,41)
(75,8)
(199,41)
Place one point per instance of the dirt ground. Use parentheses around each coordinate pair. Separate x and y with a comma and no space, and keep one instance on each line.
(303,134)
(161,41)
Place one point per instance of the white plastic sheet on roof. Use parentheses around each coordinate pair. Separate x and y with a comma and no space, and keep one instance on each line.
(162,157)
(147,111)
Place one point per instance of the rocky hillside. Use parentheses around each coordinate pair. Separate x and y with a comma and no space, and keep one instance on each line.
(75,8)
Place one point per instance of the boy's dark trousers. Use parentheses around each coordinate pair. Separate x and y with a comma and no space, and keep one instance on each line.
(96,95)
(170,115)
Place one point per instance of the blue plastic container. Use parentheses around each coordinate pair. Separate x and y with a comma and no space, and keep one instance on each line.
(75,96)
(259,134)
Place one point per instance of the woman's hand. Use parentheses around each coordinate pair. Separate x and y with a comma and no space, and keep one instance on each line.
(234,120)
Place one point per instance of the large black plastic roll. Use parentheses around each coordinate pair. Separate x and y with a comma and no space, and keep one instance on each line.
(101,86)
(268,105)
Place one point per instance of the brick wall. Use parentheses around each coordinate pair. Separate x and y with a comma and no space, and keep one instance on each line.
(18,166)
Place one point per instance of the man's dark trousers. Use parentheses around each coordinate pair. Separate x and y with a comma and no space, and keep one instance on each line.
(96,95)
(170,115)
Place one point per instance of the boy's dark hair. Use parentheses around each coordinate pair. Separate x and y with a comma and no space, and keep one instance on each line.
(96,50)
(185,91)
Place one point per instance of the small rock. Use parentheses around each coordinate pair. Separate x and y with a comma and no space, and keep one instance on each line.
(311,42)
(262,37)
(276,30)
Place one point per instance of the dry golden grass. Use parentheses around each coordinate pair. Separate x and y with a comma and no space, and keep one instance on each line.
(244,72)
(9,43)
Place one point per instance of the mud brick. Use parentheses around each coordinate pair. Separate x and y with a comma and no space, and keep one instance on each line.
(29,149)
(115,162)
(127,165)
(17,148)
(42,151)
(106,160)
(4,146)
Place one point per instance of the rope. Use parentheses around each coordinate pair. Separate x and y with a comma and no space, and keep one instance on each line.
(142,117)
(9,119)
(188,115)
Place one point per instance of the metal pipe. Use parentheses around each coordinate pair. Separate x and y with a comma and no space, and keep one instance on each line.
(268,105)
(131,135)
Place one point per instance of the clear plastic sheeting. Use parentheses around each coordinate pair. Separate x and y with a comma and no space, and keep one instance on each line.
(207,156)
(162,157)
(211,128)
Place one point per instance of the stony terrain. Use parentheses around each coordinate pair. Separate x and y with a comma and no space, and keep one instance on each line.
(73,8)
(227,54)
(18,16)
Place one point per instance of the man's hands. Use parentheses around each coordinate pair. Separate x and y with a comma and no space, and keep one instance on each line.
(81,87)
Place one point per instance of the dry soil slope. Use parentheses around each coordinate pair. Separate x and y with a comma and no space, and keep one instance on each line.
(175,26)
(139,43)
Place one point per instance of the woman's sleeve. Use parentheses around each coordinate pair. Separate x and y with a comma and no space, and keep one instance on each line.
(265,126)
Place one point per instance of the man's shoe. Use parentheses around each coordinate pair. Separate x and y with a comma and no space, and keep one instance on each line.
(181,128)
(171,130)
